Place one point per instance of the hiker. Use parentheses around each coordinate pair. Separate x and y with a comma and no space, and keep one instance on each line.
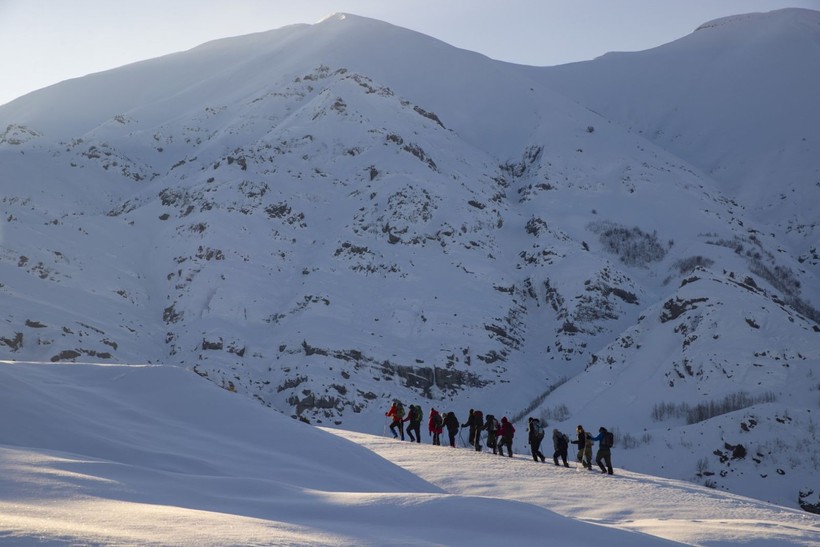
(560,442)
(413,418)
(588,450)
(507,431)
(536,436)
(451,422)
(434,426)
(397,413)
(584,447)
(471,424)
(605,441)
(491,427)
(478,425)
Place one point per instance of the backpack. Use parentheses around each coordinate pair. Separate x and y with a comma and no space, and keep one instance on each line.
(416,414)
(608,440)
(399,411)
(563,441)
(537,429)
(492,425)
(478,416)
(437,421)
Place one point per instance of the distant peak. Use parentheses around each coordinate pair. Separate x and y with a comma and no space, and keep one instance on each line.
(334,17)
(803,14)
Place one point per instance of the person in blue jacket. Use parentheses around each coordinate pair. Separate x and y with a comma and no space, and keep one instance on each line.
(604,455)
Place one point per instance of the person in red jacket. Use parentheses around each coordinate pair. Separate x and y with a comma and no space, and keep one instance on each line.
(397,413)
(435,425)
(506,433)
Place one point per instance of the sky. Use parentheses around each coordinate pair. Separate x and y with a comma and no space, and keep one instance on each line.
(43,42)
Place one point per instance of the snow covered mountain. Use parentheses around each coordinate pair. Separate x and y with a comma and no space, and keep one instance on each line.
(737,98)
(326,217)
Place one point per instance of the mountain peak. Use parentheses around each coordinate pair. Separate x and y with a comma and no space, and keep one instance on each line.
(338,16)
(797,14)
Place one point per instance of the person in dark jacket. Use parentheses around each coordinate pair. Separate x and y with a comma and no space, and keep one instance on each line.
(452,425)
(491,427)
(561,444)
(536,435)
(471,424)
(583,449)
(478,424)
(603,455)
(435,426)
(413,419)
(507,432)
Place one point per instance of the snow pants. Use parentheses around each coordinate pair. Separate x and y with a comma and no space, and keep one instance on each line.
(562,453)
(505,441)
(604,456)
(585,456)
(535,446)
(400,425)
(414,427)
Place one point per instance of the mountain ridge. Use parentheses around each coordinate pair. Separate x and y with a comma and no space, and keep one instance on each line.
(765,160)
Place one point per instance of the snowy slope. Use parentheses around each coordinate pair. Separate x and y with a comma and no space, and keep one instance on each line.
(155,455)
(322,223)
(737,98)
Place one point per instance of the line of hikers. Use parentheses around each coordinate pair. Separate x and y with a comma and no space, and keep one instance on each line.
(500,434)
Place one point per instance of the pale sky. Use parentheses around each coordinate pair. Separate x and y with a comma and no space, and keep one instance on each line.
(43,42)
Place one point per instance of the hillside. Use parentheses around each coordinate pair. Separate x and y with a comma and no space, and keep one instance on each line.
(323,223)
(737,99)
(155,455)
